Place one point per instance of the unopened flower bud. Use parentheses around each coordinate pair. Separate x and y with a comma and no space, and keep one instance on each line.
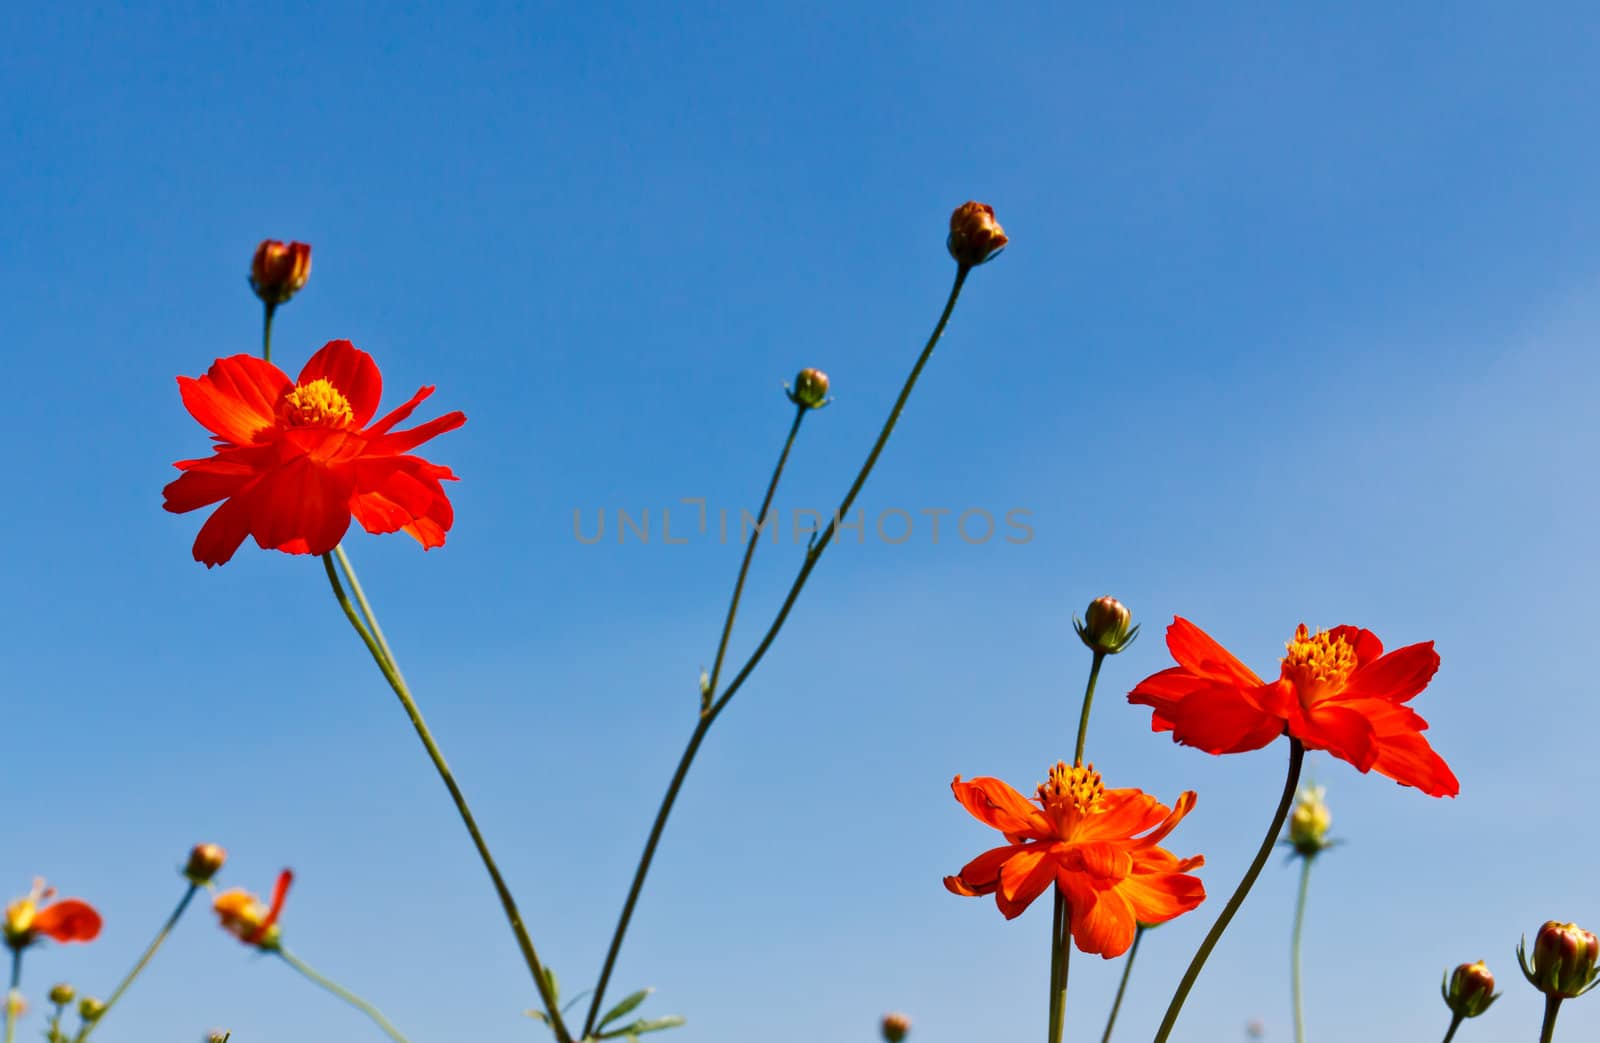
(219,1036)
(810,389)
(90,1009)
(62,994)
(1105,626)
(16,1006)
(279,270)
(1564,957)
(1309,822)
(1469,990)
(204,862)
(895,1027)
(975,236)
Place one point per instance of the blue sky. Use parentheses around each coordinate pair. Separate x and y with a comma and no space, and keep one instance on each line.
(1298,324)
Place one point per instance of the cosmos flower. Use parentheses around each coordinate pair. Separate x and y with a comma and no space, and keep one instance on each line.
(1084,839)
(67,920)
(1336,691)
(248,918)
(296,460)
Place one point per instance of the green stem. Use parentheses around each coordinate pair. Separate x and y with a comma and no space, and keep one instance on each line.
(1294,949)
(711,712)
(12,996)
(1455,1023)
(266,332)
(702,725)
(376,646)
(1088,700)
(1297,756)
(149,953)
(1547,1031)
(1060,959)
(343,993)
(55,1024)
(1122,988)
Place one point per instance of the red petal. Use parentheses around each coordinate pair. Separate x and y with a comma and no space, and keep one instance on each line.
(236,398)
(400,412)
(1223,719)
(69,920)
(1196,650)
(1397,677)
(301,501)
(405,441)
(1404,755)
(996,804)
(1342,730)
(1365,642)
(222,533)
(353,372)
(403,492)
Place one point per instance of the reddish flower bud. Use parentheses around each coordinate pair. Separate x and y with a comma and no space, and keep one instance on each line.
(279,270)
(810,389)
(1469,990)
(895,1027)
(1104,627)
(975,236)
(204,862)
(1564,957)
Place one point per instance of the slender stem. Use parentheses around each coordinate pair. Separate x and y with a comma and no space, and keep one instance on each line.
(1122,988)
(391,673)
(1054,1033)
(1547,1031)
(1294,949)
(149,953)
(702,725)
(55,1024)
(266,332)
(13,995)
(1297,756)
(366,608)
(1455,1023)
(343,993)
(1088,700)
(710,713)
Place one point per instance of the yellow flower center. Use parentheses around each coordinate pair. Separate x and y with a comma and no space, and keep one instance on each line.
(317,404)
(1076,786)
(1318,664)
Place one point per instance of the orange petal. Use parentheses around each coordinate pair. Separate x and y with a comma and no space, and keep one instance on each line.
(982,875)
(1186,802)
(1199,652)
(1102,920)
(69,920)
(1159,897)
(1397,677)
(1023,878)
(996,804)
(1342,730)
(1223,719)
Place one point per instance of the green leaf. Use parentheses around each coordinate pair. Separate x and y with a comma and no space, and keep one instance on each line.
(643,1025)
(626,1006)
(574,1001)
(541,1015)
(552,984)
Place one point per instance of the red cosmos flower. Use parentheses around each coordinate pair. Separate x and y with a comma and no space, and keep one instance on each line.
(1336,691)
(69,920)
(247,918)
(294,460)
(1083,838)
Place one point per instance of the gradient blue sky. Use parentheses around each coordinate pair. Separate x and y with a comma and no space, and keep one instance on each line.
(1298,324)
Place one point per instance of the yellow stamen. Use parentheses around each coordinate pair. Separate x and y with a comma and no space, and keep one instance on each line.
(317,404)
(1077,786)
(1318,663)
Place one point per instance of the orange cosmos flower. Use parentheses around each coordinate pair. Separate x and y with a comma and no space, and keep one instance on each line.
(1084,839)
(295,460)
(1336,691)
(69,920)
(249,919)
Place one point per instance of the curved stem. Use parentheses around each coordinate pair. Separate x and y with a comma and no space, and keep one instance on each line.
(1547,1031)
(343,993)
(1455,1023)
(391,673)
(1297,756)
(1088,700)
(711,712)
(1294,949)
(266,332)
(149,953)
(1122,987)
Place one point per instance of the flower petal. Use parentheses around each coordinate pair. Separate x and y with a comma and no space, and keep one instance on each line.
(1186,802)
(1157,897)
(1397,677)
(223,532)
(1222,719)
(301,507)
(353,372)
(403,492)
(1102,920)
(409,439)
(996,804)
(1340,729)
(69,920)
(237,398)
(400,412)
(1196,650)
(1024,877)
(981,875)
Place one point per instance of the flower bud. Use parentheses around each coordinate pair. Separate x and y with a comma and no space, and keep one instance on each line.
(1104,627)
(1564,957)
(62,994)
(1469,990)
(219,1036)
(810,389)
(90,1009)
(895,1027)
(279,270)
(1309,822)
(16,1006)
(204,862)
(975,236)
